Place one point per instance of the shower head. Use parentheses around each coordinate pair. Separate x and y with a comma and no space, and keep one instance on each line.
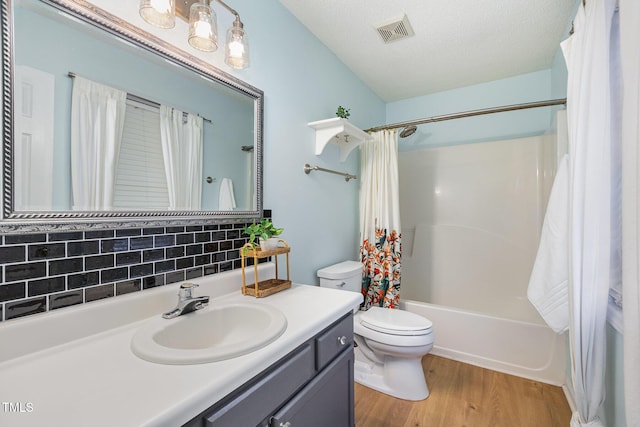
(408,131)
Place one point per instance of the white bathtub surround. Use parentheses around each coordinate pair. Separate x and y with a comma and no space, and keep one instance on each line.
(593,98)
(549,283)
(380,219)
(74,366)
(523,348)
(471,218)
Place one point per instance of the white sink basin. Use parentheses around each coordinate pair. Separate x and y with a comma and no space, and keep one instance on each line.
(208,335)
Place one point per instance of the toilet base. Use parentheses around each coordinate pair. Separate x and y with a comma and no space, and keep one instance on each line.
(398,377)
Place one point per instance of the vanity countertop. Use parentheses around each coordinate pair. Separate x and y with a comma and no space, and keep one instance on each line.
(88,376)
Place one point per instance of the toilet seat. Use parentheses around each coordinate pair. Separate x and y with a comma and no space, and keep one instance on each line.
(395,322)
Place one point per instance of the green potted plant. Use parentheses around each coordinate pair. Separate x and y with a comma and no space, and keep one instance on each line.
(265,231)
(342,112)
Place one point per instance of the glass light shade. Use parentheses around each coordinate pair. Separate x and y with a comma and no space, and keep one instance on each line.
(236,53)
(160,13)
(203,29)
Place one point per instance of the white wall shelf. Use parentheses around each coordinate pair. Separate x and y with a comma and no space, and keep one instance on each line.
(339,132)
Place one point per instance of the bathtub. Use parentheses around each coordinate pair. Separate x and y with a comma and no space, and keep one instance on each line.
(526,349)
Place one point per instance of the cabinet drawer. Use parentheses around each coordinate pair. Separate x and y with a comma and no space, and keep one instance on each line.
(256,402)
(332,341)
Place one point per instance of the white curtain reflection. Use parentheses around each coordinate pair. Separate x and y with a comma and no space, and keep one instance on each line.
(182,137)
(97,120)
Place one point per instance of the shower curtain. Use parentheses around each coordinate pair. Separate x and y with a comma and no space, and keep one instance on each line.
(97,122)
(593,96)
(182,141)
(630,59)
(380,248)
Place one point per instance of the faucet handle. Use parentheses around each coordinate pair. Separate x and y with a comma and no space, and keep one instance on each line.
(186,290)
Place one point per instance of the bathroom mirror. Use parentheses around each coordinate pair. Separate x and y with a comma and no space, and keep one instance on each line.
(58,171)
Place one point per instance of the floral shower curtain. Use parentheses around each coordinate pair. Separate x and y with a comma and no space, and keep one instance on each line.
(380,247)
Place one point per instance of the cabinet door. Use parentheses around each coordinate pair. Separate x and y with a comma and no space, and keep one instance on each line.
(326,401)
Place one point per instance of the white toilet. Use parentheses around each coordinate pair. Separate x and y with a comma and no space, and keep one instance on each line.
(390,343)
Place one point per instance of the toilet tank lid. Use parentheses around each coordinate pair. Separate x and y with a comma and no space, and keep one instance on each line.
(341,270)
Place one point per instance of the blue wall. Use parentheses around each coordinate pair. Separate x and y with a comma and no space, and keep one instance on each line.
(304,82)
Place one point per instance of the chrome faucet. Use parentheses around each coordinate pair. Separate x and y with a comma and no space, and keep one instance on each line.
(187,302)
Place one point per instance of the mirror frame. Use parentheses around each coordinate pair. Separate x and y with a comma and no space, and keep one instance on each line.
(33,221)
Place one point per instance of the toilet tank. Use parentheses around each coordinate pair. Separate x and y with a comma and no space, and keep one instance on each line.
(346,275)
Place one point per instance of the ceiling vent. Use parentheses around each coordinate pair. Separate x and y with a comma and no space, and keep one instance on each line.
(395,30)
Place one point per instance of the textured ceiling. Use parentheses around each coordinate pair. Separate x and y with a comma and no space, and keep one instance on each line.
(456,43)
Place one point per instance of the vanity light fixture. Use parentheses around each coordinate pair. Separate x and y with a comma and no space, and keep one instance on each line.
(160,13)
(203,31)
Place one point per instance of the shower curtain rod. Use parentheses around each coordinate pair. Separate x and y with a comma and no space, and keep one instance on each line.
(145,101)
(551,102)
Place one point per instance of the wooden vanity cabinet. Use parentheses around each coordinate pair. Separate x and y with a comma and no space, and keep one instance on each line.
(311,386)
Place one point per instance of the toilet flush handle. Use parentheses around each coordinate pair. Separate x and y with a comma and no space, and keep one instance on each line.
(341,284)
(343,340)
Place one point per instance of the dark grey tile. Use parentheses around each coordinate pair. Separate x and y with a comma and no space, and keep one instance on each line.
(218,235)
(218,257)
(114,245)
(194,228)
(211,247)
(182,263)
(64,266)
(233,234)
(31,270)
(202,259)
(98,292)
(66,236)
(193,273)
(185,238)
(153,230)
(174,277)
(174,230)
(141,270)
(87,247)
(226,226)
(45,286)
(98,262)
(141,243)
(152,281)
(203,237)
(163,241)
(211,227)
(82,280)
(128,286)
(128,232)
(153,255)
(194,250)
(127,258)
(12,254)
(164,266)
(226,266)
(175,252)
(114,274)
(66,299)
(15,239)
(210,269)
(99,234)
(235,254)
(226,245)
(25,307)
(12,291)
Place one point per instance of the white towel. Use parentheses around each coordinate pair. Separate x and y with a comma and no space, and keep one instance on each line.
(226,200)
(549,283)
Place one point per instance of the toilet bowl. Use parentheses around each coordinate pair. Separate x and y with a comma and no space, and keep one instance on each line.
(390,343)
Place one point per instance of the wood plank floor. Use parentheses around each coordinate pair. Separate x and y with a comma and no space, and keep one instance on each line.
(465,395)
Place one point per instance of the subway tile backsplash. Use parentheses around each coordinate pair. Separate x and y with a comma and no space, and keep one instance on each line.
(47,271)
